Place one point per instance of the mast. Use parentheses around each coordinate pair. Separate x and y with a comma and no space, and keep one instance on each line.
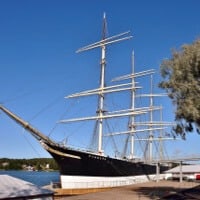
(132,123)
(161,136)
(100,111)
(102,44)
(151,121)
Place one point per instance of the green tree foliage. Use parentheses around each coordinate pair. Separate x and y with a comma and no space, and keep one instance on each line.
(37,163)
(181,74)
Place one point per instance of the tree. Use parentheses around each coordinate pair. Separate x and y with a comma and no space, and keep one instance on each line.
(181,80)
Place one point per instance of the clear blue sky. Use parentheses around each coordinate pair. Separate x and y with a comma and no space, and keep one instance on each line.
(39,66)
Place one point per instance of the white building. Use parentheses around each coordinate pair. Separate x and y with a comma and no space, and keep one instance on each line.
(189,172)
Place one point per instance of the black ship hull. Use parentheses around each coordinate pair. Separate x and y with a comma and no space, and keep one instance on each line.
(79,163)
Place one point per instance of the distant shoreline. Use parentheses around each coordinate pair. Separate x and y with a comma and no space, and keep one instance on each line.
(32,164)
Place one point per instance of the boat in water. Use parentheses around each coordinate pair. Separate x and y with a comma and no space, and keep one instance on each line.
(96,168)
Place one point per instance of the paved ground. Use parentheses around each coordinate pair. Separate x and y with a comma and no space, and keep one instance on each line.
(145,191)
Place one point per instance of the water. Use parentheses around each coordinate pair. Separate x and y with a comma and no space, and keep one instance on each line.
(39,178)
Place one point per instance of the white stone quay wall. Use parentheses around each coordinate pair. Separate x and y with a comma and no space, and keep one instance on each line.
(83,182)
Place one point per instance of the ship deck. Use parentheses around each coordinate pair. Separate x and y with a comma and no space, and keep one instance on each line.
(143,191)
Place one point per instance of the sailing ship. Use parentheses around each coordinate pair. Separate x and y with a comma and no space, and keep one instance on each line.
(88,169)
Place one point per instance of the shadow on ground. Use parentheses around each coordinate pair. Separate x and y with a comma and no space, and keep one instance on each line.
(168,193)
